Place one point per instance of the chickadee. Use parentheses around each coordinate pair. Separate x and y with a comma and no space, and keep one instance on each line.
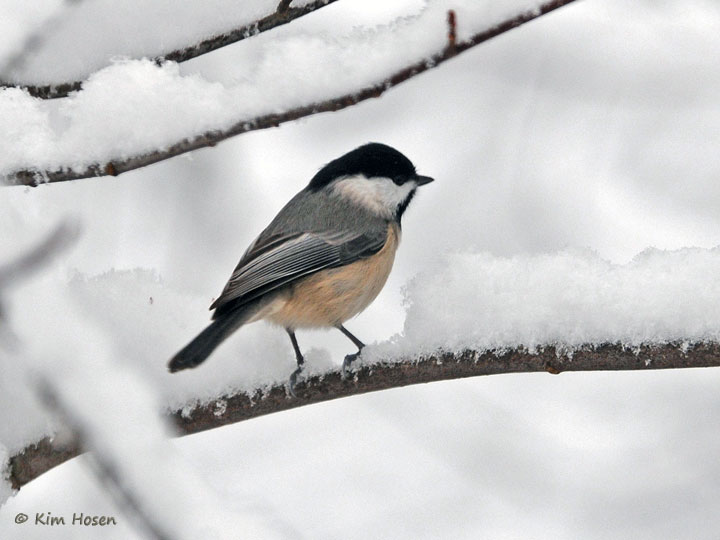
(323,259)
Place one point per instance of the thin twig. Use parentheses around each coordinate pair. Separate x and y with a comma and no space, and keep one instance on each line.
(38,458)
(115,167)
(283,15)
(452,32)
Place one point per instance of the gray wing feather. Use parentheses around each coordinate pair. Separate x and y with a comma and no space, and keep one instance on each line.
(283,258)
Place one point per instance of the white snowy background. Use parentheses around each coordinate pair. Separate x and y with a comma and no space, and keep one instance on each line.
(576,200)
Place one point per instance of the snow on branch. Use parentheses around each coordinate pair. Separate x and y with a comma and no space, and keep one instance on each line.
(336,95)
(36,459)
(284,14)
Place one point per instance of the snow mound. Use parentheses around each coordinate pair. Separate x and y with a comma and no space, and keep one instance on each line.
(570,298)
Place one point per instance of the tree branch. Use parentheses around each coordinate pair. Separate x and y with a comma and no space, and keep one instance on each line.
(39,458)
(211,138)
(284,14)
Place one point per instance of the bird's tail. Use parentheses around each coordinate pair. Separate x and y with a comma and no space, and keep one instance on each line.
(197,351)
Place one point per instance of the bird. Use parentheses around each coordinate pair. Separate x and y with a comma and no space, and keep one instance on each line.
(323,258)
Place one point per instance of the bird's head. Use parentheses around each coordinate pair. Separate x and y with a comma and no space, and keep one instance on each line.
(374,176)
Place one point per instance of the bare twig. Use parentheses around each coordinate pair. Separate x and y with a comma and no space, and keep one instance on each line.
(452,32)
(211,138)
(283,15)
(36,459)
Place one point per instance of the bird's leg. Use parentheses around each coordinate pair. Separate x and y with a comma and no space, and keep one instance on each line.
(350,358)
(300,361)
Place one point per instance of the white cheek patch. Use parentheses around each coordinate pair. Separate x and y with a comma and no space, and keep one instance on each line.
(379,195)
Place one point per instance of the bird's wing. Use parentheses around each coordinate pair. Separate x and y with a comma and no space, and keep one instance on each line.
(279,259)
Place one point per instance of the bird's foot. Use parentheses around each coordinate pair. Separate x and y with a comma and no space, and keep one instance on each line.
(349,359)
(293,381)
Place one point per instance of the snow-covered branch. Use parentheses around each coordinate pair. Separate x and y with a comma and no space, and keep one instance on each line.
(284,14)
(452,42)
(46,454)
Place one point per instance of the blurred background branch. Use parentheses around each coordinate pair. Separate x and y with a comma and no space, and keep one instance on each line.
(101,464)
(32,42)
(26,265)
(39,256)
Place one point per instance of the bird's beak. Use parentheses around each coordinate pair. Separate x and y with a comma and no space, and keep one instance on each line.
(422,180)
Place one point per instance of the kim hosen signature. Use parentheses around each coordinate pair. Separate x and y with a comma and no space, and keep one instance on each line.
(78,519)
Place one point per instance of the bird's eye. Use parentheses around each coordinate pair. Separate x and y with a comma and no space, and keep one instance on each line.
(400,179)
